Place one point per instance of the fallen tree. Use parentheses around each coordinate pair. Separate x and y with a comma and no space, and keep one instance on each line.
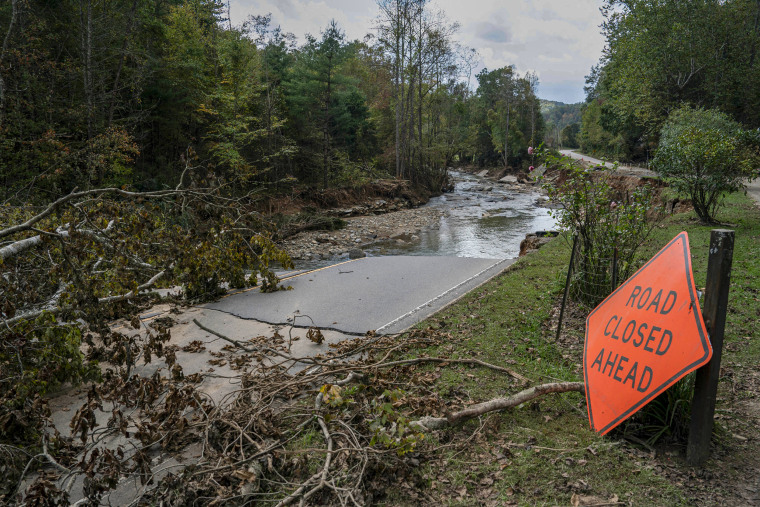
(323,432)
(71,266)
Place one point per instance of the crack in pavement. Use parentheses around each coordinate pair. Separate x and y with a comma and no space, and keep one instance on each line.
(283,324)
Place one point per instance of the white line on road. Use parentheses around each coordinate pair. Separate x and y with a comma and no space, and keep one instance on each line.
(443,294)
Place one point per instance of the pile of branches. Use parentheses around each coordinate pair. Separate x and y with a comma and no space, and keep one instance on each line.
(72,265)
(333,429)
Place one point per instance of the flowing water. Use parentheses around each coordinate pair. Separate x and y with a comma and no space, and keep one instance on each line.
(482,220)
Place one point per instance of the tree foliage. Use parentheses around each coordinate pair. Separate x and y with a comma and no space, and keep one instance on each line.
(509,118)
(660,55)
(557,117)
(704,154)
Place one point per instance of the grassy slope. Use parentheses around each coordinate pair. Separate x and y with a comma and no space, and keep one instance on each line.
(543,453)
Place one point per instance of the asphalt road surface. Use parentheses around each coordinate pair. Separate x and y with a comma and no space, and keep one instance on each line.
(385,294)
(753,189)
(625,169)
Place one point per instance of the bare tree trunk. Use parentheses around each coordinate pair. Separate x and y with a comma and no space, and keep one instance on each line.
(409,128)
(420,46)
(326,124)
(400,62)
(3,50)
(397,89)
(409,121)
(115,89)
(86,41)
(506,134)
(753,51)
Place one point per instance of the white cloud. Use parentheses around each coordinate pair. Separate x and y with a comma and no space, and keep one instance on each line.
(309,16)
(557,39)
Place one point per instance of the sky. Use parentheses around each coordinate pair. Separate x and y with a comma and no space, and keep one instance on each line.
(557,39)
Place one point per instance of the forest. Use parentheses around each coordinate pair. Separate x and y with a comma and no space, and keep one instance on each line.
(128,92)
(563,123)
(662,55)
(140,141)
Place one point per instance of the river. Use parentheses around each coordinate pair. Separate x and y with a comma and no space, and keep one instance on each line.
(482,220)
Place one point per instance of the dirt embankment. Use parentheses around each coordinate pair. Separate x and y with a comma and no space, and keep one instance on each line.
(375,197)
(401,226)
(378,211)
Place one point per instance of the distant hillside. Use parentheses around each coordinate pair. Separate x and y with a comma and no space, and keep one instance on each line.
(562,123)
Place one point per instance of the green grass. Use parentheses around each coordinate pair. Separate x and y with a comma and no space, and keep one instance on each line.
(551,453)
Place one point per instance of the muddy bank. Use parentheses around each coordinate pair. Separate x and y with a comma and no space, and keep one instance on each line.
(375,197)
(398,229)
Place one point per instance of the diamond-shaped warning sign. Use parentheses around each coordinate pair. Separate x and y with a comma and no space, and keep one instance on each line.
(644,337)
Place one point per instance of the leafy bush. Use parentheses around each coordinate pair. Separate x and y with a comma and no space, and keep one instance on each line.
(703,155)
(604,219)
(667,417)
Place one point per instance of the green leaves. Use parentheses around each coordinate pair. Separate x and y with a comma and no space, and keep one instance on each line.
(703,155)
(37,357)
(390,428)
(663,54)
(610,223)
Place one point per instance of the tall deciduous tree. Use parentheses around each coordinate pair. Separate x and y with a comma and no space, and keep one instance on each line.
(662,54)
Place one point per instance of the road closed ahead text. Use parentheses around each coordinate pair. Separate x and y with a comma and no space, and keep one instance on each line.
(644,337)
(630,334)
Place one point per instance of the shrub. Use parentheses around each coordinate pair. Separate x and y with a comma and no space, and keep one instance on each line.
(703,155)
(607,222)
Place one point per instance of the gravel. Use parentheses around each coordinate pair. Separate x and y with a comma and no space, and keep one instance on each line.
(361,232)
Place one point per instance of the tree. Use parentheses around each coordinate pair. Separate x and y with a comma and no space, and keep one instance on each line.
(704,154)
(327,110)
(422,58)
(508,116)
(662,54)
(570,135)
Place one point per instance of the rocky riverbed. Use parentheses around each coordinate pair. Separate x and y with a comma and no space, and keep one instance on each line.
(360,232)
(390,223)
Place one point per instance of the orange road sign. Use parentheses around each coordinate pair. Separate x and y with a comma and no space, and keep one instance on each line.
(644,337)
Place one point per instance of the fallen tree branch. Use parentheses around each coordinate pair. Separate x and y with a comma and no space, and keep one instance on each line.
(379,364)
(51,307)
(132,293)
(436,423)
(19,246)
(220,335)
(75,195)
(322,474)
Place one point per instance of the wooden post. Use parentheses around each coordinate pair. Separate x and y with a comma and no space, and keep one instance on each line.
(567,283)
(714,313)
